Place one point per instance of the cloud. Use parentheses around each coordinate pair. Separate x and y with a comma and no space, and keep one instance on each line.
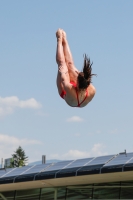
(97,150)
(75,119)
(8,144)
(9,104)
(11,140)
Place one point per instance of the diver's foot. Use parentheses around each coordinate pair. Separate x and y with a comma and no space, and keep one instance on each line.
(59,34)
(64,39)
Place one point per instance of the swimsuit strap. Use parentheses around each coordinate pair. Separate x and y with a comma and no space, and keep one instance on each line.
(77,97)
(79,104)
(75,86)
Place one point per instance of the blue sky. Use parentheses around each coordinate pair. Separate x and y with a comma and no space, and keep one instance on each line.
(31,112)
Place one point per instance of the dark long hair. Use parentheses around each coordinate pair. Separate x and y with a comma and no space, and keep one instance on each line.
(84,77)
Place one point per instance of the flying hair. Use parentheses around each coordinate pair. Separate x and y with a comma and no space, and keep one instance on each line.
(84,77)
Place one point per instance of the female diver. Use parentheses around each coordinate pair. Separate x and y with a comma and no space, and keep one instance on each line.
(73,86)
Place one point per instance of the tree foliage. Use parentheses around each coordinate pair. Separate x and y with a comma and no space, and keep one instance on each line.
(19,158)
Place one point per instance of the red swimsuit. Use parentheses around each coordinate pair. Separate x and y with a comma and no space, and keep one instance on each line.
(63,93)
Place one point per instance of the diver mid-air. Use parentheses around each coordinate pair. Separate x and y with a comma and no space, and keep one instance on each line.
(73,86)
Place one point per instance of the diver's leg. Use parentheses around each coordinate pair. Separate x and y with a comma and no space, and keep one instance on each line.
(60,59)
(73,71)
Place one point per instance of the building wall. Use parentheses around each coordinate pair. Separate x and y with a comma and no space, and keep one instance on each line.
(116,190)
(7,162)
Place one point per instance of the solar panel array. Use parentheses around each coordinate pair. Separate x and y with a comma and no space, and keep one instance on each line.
(66,166)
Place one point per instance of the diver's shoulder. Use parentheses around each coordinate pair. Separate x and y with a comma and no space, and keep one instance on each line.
(92,89)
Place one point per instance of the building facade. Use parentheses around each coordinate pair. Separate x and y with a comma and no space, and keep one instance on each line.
(105,177)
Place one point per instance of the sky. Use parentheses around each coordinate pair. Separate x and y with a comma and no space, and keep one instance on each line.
(32,114)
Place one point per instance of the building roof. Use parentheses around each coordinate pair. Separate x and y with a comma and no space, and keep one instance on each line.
(70,168)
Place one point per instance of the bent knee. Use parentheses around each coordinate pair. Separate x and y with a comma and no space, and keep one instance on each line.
(70,63)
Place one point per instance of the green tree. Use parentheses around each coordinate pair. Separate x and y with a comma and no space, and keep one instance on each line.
(19,158)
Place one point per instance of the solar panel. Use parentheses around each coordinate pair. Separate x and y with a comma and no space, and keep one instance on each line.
(100,160)
(121,159)
(5,171)
(130,161)
(36,168)
(16,171)
(58,165)
(128,165)
(78,163)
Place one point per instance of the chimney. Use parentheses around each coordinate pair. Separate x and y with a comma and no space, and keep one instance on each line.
(43,159)
(2,161)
